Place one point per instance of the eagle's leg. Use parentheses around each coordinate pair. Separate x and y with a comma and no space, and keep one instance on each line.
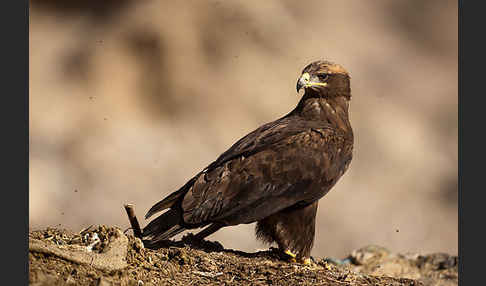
(292,229)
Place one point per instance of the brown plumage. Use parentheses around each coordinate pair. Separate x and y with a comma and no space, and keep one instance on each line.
(275,175)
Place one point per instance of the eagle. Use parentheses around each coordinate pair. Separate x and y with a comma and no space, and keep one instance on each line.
(274,176)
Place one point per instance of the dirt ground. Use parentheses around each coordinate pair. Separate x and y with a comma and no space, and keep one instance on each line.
(104,255)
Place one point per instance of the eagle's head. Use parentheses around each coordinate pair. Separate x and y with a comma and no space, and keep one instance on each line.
(325,79)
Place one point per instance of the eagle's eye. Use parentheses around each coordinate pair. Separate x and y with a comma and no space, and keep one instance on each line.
(322,76)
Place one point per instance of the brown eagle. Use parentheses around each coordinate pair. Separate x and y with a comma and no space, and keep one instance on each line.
(275,175)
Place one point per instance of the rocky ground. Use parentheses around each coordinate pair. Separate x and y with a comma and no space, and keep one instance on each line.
(104,255)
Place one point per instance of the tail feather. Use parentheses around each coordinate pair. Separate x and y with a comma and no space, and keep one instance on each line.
(163,204)
(163,227)
(171,199)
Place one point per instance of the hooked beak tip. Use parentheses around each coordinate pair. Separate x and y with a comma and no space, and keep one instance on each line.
(303,80)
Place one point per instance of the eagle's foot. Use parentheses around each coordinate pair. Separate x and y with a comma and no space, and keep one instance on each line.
(305,261)
(291,257)
(289,253)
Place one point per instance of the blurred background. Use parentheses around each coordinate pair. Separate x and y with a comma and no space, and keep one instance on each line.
(129,99)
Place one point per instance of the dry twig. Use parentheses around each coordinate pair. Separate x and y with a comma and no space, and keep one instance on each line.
(133,221)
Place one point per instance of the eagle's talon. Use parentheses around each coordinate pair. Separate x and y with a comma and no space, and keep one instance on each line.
(306,261)
(289,253)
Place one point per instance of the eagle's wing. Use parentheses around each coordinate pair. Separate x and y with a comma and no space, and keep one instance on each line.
(262,138)
(280,164)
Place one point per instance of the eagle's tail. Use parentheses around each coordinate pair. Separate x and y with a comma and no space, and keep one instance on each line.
(165,203)
(163,227)
(169,223)
(170,200)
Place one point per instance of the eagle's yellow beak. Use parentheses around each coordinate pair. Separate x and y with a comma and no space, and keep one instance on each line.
(305,82)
